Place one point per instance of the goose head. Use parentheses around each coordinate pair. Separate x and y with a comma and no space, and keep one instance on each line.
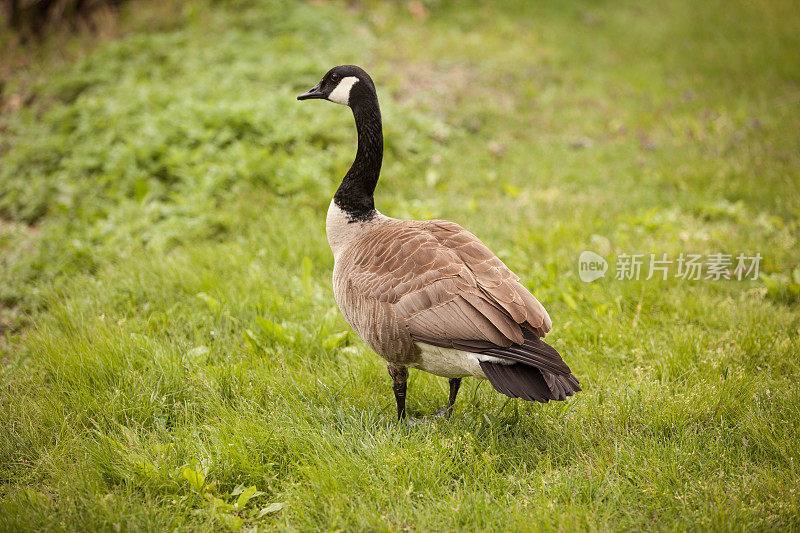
(346,84)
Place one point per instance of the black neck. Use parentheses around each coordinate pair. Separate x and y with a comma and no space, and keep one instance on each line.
(355,194)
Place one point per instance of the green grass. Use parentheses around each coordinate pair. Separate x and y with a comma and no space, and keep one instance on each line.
(170,334)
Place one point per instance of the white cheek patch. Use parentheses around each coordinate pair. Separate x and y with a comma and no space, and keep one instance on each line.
(341,94)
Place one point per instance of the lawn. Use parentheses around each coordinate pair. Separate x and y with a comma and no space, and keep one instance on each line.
(173,358)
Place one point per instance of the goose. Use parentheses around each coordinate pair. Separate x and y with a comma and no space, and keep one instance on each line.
(429,295)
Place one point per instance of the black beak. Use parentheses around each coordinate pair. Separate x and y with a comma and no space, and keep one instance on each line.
(314,92)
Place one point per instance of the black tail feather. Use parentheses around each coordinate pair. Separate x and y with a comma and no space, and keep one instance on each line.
(529,383)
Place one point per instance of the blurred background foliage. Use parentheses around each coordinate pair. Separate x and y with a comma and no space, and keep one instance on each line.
(168,330)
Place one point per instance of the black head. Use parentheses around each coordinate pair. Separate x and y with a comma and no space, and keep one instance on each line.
(345,84)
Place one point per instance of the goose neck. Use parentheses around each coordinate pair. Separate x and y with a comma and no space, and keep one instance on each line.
(355,194)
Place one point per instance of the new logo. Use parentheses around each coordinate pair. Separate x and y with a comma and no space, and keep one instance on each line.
(591,266)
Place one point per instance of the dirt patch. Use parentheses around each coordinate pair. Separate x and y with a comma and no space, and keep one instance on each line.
(426,83)
(438,87)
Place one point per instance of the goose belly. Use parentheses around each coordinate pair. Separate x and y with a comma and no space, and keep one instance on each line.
(452,363)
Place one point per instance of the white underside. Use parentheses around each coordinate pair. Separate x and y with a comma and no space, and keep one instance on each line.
(452,363)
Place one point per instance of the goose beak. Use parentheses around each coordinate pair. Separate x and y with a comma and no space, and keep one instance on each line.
(314,92)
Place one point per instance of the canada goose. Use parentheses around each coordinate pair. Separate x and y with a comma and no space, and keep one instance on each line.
(429,294)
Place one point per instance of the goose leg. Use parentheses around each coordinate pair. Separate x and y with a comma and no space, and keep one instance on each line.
(455,384)
(399,376)
(445,412)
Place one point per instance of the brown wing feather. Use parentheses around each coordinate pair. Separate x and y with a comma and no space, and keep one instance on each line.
(495,279)
(437,283)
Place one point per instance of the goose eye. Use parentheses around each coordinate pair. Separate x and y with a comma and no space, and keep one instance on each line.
(334,77)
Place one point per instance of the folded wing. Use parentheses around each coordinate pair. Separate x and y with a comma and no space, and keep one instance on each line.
(444,287)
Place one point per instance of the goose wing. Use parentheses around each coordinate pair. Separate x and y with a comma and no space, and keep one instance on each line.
(444,287)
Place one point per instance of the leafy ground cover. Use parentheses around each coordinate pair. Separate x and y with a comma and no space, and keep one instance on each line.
(172,354)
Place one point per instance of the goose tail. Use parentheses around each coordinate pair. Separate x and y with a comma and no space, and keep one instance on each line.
(530,383)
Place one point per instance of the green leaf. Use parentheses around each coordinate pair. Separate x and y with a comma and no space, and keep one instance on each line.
(219,504)
(511,190)
(335,340)
(195,478)
(274,331)
(245,496)
(252,339)
(271,508)
(212,303)
(140,188)
(232,521)
(145,467)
